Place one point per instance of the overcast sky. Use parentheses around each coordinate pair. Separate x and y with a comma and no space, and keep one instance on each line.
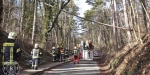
(82,6)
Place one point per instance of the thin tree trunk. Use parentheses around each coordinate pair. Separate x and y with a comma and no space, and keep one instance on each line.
(1,9)
(126,21)
(21,23)
(3,14)
(56,36)
(114,24)
(34,21)
(144,14)
(8,16)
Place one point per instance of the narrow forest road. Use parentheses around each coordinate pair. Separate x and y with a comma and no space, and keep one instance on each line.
(85,67)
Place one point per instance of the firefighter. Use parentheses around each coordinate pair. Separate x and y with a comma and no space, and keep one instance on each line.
(76,55)
(75,51)
(54,53)
(36,55)
(62,54)
(11,53)
(58,54)
(66,54)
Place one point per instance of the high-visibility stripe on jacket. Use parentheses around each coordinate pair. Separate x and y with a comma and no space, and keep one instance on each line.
(36,53)
(75,51)
(8,54)
(66,52)
(53,52)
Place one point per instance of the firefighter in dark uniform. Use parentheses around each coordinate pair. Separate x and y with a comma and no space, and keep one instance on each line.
(66,54)
(62,54)
(58,54)
(54,53)
(11,53)
(36,55)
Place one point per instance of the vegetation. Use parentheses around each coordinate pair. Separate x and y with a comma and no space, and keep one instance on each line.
(119,28)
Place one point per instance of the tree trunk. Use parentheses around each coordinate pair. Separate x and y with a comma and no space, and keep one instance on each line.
(34,21)
(1,9)
(144,14)
(3,16)
(114,14)
(126,21)
(21,23)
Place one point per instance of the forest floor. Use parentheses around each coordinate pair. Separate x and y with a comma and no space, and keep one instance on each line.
(104,66)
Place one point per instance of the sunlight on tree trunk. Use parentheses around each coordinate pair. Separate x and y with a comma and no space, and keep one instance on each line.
(34,21)
(21,21)
(126,21)
(114,15)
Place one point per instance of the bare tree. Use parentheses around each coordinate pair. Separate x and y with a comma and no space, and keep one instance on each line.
(34,22)
(1,10)
(21,22)
(126,21)
(144,14)
(114,15)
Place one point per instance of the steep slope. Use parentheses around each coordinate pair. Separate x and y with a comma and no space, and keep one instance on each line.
(132,59)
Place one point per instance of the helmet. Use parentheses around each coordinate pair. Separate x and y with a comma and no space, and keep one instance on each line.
(12,35)
(86,45)
(36,45)
(53,47)
(75,47)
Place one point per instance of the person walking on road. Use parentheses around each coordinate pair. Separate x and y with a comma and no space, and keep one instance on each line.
(11,53)
(36,55)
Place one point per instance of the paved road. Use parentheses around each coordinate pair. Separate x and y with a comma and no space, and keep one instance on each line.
(87,67)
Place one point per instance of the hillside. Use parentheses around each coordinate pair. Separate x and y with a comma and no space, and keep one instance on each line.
(133,59)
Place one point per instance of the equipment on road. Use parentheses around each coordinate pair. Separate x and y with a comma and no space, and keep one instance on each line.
(76,59)
(96,54)
(86,49)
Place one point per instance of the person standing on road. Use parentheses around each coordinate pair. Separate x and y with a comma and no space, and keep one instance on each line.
(36,55)
(75,51)
(62,54)
(54,53)
(76,55)
(58,54)
(11,53)
(66,54)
